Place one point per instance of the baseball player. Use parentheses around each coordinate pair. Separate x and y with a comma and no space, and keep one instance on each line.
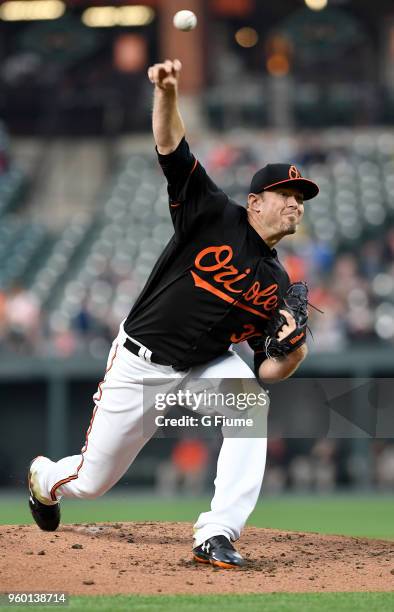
(218,282)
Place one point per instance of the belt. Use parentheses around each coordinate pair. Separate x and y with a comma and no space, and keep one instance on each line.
(141,351)
(144,353)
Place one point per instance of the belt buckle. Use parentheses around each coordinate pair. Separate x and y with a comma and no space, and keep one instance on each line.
(145,354)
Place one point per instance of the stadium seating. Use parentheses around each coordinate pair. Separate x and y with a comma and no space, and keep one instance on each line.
(101,263)
(12,184)
(12,179)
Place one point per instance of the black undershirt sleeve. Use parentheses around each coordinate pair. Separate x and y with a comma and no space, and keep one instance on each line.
(259,355)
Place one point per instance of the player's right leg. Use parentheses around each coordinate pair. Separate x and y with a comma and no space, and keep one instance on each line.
(120,426)
(240,467)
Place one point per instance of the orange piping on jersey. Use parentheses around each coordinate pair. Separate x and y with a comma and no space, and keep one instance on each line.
(176,204)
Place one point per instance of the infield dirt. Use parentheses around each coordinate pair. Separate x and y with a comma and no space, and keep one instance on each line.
(152,557)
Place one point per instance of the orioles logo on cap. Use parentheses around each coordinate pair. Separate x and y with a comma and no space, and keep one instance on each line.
(294,173)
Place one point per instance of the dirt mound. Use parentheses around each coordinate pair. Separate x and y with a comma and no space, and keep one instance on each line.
(100,558)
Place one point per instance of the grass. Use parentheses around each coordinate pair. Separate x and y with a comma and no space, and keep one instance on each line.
(273,602)
(369,516)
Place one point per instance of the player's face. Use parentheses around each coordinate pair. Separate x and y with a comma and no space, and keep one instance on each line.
(282,210)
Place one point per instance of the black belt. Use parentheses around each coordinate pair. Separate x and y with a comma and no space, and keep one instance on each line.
(144,354)
(147,355)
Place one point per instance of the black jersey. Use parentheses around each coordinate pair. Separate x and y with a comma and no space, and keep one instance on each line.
(216,282)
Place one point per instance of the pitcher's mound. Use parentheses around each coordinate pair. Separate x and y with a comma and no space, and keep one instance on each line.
(101,558)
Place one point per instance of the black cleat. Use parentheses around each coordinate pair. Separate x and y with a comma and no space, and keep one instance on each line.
(46,516)
(218,551)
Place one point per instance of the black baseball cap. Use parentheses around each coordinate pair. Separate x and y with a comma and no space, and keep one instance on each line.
(273,175)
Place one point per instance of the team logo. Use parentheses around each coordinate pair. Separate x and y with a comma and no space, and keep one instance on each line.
(249,332)
(215,273)
(294,173)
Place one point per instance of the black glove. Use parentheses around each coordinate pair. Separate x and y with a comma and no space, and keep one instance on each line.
(295,302)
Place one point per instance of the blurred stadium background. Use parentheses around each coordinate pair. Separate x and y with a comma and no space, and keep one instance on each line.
(83,207)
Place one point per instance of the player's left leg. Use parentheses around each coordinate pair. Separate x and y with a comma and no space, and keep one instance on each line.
(241,462)
(123,420)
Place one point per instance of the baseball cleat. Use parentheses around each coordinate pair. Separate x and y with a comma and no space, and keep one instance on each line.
(47,516)
(218,551)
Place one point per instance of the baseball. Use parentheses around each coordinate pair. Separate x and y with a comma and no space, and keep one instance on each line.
(185,20)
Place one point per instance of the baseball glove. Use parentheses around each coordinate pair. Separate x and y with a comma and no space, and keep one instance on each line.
(294,302)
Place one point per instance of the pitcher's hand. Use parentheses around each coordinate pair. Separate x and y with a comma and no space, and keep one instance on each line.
(165,75)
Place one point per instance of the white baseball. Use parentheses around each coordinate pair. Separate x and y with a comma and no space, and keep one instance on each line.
(185,20)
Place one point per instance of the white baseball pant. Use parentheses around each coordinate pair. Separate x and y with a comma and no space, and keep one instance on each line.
(117,433)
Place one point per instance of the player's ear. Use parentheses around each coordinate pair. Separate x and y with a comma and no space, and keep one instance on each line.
(254,202)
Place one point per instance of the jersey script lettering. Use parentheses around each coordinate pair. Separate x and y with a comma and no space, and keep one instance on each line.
(218,259)
(250,332)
